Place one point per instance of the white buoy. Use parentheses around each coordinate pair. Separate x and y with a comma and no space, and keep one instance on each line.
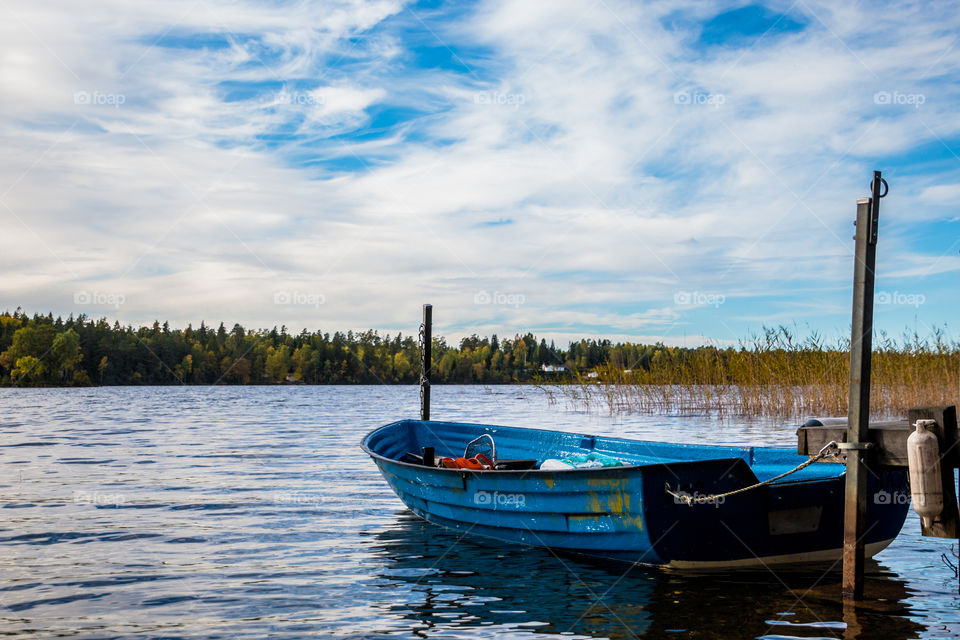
(923,458)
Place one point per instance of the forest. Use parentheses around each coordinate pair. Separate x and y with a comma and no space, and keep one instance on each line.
(41,350)
(775,372)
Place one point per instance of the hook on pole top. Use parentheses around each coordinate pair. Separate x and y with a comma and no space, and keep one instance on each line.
(875,186)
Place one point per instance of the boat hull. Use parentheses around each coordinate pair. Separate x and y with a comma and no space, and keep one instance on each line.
(625,513)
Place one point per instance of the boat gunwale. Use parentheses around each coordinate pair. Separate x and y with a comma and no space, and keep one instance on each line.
(524,472)
(499,472)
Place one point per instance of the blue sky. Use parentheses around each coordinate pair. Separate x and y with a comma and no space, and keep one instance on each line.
(676,171)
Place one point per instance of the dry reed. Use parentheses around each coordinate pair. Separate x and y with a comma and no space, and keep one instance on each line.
(774,376)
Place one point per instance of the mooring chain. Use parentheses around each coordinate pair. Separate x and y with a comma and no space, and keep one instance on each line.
(829,450)
(423,361)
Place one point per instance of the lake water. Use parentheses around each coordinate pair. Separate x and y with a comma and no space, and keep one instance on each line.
(251,512)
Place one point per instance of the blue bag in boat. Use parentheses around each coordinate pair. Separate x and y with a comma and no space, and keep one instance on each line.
(592,460)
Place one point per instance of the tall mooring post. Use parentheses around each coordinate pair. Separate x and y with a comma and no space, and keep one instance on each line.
(426,344)
(858,423)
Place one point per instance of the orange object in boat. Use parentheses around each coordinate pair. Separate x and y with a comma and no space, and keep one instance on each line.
(469,463)
(479,463)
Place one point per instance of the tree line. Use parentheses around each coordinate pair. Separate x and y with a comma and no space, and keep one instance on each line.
(41,350)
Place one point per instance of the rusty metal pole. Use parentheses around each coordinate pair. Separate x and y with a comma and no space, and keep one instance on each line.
(426,344)
(858,420)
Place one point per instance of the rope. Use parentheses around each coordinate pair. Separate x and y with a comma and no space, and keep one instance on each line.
(829,450)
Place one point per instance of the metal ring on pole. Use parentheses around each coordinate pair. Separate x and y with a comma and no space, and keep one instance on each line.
(885,186)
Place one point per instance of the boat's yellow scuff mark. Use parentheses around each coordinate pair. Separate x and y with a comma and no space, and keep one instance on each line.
(607,483)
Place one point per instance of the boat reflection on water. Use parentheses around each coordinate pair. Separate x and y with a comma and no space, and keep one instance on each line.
(438,581)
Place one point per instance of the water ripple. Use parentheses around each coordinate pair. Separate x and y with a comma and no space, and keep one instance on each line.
(251,512)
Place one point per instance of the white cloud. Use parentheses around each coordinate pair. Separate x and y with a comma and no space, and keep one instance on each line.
(941,194)
(191,198)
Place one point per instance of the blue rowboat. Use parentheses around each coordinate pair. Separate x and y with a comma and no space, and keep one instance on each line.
(626,512)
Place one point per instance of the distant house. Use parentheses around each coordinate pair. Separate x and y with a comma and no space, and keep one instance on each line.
(552,368)
(593,374)
(290,378)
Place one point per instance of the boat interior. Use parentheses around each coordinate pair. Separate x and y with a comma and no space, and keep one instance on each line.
(495,448)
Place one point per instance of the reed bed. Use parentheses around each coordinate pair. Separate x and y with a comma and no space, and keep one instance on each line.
(774,375)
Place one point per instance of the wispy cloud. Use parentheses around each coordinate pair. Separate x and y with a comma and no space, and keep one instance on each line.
(601,160)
